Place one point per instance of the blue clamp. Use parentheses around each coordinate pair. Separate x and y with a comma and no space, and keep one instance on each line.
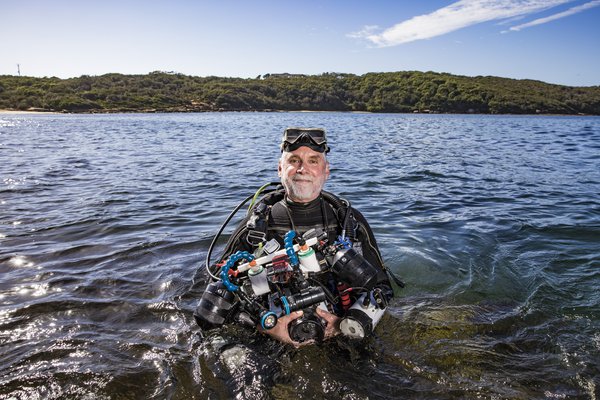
(230,263)
(344,241)
(286,305)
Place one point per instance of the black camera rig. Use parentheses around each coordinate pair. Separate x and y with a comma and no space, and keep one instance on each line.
(258,291)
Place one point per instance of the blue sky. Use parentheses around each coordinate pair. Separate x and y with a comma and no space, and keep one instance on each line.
(555,41)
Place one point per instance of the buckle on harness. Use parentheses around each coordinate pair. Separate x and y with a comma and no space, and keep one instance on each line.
(254,238)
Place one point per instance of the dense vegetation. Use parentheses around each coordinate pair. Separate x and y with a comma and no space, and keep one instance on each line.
(374,92)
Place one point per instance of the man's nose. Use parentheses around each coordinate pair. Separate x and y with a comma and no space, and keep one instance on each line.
(300,168)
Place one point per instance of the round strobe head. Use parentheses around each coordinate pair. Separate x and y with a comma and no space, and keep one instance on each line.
(352,328)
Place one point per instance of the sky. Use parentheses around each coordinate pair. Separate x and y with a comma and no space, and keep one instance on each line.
(555,41)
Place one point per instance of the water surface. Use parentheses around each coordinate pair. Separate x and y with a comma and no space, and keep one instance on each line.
(492,221)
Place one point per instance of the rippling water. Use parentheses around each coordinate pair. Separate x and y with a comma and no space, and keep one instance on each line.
(492,221)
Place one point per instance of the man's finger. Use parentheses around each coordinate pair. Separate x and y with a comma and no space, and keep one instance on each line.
(325,314)
(294,315)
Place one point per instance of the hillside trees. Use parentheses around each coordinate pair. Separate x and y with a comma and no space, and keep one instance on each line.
(406,91)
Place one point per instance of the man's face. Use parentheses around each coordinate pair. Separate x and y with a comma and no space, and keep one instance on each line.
(303,173)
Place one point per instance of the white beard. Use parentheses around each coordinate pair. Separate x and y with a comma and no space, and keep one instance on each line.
(303,191)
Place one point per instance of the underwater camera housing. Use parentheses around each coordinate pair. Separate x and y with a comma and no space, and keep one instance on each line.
(277,284)
(309,325)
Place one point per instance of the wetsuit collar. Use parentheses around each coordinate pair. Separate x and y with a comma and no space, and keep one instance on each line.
(311,203)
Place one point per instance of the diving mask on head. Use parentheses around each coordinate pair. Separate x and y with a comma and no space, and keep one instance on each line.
(315,138)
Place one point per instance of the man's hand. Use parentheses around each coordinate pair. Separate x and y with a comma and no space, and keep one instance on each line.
(280,331)
(333,323)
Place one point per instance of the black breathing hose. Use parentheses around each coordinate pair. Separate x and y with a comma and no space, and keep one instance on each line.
(235,210)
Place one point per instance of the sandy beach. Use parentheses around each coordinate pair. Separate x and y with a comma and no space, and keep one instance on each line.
(26,112)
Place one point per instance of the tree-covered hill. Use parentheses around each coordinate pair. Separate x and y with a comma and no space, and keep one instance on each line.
(375,92)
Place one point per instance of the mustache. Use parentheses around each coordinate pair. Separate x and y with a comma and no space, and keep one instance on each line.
(302,179)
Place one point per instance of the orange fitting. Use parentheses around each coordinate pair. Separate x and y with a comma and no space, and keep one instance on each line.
(252,263)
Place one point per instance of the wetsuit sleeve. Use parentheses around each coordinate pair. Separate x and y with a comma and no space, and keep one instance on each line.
(372,253)
(367,238)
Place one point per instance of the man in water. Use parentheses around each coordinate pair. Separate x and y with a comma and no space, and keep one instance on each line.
(302,205)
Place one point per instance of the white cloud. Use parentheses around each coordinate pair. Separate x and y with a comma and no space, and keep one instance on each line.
(554,17)
(364,32)
(453,17)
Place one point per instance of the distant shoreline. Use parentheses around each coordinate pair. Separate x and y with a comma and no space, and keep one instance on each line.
(397,92)
(27,112)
